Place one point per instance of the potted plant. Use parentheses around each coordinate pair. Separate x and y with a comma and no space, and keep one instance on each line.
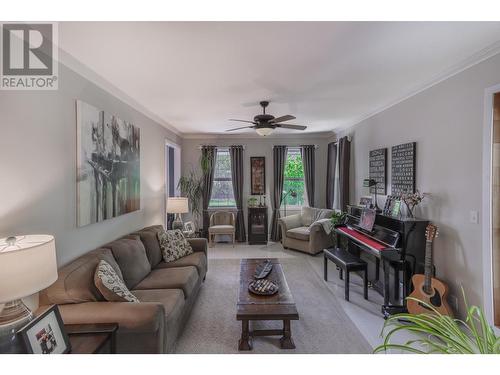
(252,202)
(437,333)
(191,186)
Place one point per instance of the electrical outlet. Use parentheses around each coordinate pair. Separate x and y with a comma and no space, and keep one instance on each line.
(453,301)
(474,217)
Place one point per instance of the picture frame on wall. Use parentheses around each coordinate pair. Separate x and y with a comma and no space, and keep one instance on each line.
(257,175)
(45,334)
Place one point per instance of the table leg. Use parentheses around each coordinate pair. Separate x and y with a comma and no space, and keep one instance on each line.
(245,342)
(286,341)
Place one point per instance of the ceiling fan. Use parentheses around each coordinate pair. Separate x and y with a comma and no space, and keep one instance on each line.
(264,124)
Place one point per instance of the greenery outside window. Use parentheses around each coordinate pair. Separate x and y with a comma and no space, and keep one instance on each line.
(222,188)
(294,179)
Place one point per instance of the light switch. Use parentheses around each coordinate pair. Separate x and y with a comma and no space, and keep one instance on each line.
(474,217)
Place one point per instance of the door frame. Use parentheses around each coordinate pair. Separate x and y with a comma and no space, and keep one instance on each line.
(487,215)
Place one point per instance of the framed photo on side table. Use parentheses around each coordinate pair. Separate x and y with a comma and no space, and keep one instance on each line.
(45,334)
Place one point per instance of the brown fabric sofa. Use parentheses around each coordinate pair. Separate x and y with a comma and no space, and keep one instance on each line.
(167,291)
(302,232)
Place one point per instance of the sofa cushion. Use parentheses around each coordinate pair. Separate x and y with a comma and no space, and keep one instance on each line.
(174,306)
(111,285)
(75,281)
(300,233)
(149,238)
(173,245)
(131,257)
(306,215)
(184,278)
(197,259)
(224,229)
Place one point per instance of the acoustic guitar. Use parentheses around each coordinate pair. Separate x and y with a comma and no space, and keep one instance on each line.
(427,288)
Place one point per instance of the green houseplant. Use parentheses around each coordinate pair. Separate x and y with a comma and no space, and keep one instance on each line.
(191,186)
(436,333)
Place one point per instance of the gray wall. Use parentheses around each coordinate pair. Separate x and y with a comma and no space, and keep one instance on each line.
(446,121)
(38,165)
(260,147)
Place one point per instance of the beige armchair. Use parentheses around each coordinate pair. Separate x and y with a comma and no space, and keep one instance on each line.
(302,232)
(221,222)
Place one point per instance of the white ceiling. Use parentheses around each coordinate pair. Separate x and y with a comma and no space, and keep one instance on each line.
(195,75)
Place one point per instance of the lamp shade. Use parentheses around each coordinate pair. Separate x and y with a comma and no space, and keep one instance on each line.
(264,132)
(177,205)
(27,265)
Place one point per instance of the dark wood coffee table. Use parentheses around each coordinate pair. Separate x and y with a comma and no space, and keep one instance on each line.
(280,306)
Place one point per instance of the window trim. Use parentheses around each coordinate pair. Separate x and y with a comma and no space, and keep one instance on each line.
(295,150)
(214,207)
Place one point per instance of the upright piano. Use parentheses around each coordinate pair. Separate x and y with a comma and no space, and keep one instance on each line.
(396,244)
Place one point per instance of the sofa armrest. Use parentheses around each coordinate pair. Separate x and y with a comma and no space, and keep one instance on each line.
(315,227)
(199,244)
(143,317)
(290,222)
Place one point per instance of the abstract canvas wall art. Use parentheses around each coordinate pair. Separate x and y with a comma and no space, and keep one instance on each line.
(108,165)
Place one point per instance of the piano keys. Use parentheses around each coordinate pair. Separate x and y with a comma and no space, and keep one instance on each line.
(398,244)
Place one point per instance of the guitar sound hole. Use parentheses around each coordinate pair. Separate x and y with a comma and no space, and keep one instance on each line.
(435,300)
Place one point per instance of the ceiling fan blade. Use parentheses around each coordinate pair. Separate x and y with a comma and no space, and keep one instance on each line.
(244,127)
(290,126)
(283,118)
(250,122)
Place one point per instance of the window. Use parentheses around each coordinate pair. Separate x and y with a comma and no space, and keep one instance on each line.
(222,189)
(294,178)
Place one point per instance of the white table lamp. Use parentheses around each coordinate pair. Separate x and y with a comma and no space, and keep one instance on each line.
(177,206)
(27,265)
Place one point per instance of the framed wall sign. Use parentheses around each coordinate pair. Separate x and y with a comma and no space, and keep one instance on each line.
(378,170)
(45,334)
(258,175)
(403,168)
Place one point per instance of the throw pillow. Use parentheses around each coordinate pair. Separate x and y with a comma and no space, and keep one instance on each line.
(306,216)
(111,285)
(173,245)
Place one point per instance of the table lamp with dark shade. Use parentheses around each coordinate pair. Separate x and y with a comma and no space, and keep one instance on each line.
(177,206)
(369,183)
(27,265)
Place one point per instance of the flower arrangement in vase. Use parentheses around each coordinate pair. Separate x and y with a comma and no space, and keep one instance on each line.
(412,200)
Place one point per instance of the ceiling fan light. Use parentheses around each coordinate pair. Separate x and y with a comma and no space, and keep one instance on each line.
(264,132)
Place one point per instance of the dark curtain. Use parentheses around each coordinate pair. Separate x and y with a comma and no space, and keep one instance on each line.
(279,159)
(308,162)
(171,182)
(208,157)
(344,164)
(236,153)
(330,174)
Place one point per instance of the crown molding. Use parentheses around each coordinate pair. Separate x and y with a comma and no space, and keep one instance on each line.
(253,135)
(477,58)
(74,64)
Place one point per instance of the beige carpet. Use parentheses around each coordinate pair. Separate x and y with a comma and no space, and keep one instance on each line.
(323,326)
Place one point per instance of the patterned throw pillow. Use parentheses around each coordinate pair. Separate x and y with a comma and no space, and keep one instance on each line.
(173,245)
(111,285)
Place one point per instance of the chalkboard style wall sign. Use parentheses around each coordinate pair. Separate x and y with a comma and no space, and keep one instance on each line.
(378,164)
(403,168)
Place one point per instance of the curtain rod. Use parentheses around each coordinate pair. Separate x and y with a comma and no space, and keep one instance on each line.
(221,146)
(297,146)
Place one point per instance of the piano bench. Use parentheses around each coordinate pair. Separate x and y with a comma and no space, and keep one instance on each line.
(346,262)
